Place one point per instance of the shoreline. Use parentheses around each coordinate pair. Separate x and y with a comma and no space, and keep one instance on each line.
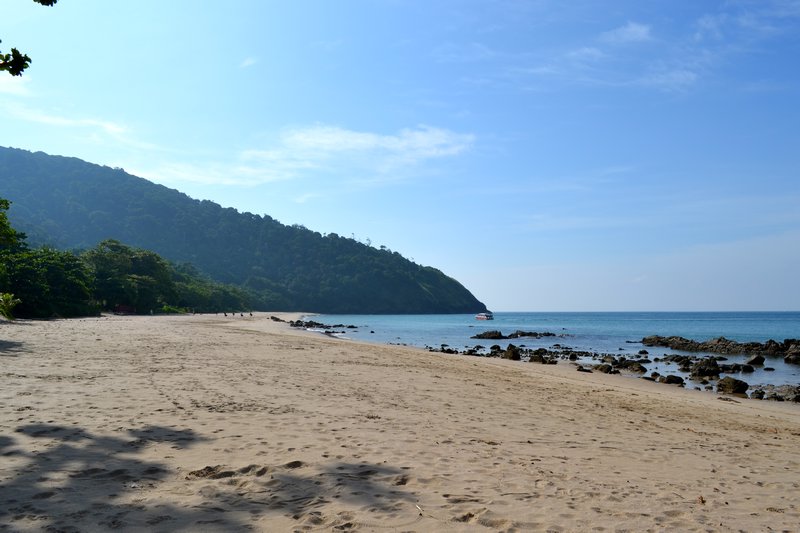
(205,423)
(694,366)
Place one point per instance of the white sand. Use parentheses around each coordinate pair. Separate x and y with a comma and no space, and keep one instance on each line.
(209,423)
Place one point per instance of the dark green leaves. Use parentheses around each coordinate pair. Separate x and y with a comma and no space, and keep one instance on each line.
(16,62)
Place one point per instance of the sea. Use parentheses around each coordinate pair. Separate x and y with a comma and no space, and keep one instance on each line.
(615,333)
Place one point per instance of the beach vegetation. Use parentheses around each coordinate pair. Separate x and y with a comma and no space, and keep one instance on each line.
(141,281)
(7,303)
(45,282)
(10,239)
(48,283)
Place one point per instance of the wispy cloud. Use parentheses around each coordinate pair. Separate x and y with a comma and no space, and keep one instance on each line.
(676,58)
(248,62)
(15,85)
(710,26)
(409,145)
(325,152)
(42,117)
(749,21)
(303,198)
(97,129)
(462,53)
(586,53)
(676,79)
(632,32)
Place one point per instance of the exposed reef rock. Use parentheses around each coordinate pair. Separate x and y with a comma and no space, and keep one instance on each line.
(789,349)
(498,335)
(777,393)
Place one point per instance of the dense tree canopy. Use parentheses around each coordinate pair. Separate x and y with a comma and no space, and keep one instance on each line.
(68,203)
(9,237)
(48,283)
(44,282)
(15,62)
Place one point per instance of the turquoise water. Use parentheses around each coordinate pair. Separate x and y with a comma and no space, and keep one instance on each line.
(594,332)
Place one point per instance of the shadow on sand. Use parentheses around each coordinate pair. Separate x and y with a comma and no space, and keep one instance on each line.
(10,348)
(302,492)
(74,481)
(63,478)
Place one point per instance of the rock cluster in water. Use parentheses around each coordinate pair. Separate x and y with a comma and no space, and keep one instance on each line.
(497,335)
(307,324)
(789,349)
(701,369)
(326,329)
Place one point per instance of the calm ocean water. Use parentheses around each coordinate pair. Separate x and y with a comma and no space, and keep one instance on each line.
(594,332)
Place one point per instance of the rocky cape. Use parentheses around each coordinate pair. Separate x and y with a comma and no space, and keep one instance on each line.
(69,204)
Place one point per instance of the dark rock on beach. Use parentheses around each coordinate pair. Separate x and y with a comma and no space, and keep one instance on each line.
(606,369)
(777,393)
(512,353)
(671,379)
(541,355)
(632,365)
(729,385)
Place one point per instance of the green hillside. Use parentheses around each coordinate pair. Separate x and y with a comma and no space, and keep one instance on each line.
(71,204)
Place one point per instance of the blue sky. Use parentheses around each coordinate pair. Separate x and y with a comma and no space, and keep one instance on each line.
(550,155)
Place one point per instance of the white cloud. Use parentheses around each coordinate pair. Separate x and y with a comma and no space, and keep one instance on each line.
(324,151)
(306,148)
(98,130)
(462,53)
(710,27)
(670,80)
(41,117)
(248,62)
(744,21)
(303,198)
(632,32)
(14,85)
(585,54)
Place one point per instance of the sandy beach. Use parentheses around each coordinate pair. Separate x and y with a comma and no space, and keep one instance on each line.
(211,423)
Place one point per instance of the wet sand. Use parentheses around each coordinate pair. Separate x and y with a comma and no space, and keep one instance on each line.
(207,423)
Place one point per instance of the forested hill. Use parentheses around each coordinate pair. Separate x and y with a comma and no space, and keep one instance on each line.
(71,204)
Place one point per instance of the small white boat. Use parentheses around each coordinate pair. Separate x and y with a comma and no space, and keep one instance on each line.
(484,316)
